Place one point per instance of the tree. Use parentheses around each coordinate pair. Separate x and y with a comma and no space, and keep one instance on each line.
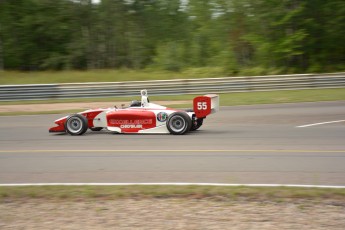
(288,35)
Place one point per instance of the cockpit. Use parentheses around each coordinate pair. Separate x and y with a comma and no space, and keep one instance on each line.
(144,100)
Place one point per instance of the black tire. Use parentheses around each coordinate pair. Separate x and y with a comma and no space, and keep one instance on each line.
(96,129)
(197,124)
(179,123)
(76,124)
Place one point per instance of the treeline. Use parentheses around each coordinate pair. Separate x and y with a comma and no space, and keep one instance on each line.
(283,35)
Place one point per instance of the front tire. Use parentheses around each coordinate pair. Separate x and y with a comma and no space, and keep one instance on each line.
(76,124)
(179,123)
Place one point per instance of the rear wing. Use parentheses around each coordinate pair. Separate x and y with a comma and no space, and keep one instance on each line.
(205,105)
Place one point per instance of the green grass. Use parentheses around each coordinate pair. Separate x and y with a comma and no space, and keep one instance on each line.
(138,191)
(76,100)
(283,96)
(120,75)
(40,112)
(46,77)
(226,99)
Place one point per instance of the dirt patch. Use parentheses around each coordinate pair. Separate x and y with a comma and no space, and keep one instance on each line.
(171,213)
(73,106)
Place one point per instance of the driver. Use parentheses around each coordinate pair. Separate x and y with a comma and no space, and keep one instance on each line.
(135,104)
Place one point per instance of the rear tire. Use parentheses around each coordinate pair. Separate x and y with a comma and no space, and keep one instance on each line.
(179,123)
(76,124)
(197,124)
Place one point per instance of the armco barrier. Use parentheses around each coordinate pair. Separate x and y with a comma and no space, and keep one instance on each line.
(171,87)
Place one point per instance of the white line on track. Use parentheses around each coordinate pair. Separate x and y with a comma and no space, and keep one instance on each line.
(320,123)
(170,150)
(174,184)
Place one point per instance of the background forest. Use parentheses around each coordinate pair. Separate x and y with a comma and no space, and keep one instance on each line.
(282,36)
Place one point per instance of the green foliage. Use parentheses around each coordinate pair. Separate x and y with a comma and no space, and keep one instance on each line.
(169,56)
(235,35)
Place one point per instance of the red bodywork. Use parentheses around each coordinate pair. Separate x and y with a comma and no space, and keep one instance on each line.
(131,121)
(128,120)
(89,114)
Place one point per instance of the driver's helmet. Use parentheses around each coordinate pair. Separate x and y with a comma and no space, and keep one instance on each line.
(135,104)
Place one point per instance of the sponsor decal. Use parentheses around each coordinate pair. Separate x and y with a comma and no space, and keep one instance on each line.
(130,124)
(162,116)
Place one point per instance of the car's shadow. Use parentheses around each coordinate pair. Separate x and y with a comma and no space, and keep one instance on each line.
(104,132)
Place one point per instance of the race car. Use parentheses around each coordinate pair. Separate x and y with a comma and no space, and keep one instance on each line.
(140,117)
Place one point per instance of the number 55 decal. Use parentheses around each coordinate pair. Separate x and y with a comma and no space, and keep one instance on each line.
(202,105)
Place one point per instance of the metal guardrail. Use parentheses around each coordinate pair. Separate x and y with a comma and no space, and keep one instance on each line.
(171,87)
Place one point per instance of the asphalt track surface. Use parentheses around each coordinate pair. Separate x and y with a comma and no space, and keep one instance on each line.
(258,144)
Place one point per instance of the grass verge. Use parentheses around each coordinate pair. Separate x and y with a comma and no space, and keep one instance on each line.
(226,99)
(53,77)
(68,111)
(157,191)
(119,75)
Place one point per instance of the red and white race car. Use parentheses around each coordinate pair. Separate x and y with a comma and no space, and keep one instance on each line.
(140,117)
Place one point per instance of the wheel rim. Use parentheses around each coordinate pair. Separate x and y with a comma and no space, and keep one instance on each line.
(177,124)
(74,125)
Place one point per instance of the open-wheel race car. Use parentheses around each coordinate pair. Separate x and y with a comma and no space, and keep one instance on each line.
(140,117)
